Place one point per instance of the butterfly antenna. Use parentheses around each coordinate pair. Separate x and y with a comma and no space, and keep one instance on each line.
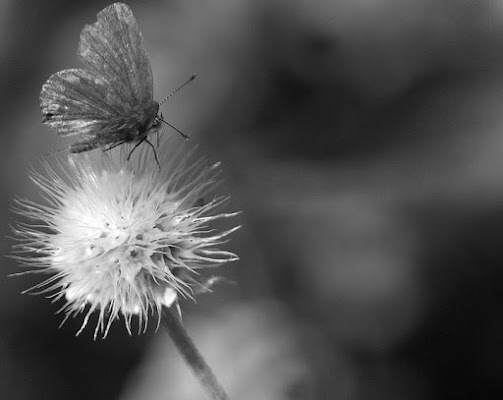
(179,88)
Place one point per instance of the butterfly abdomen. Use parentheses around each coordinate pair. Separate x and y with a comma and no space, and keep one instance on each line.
(80,146)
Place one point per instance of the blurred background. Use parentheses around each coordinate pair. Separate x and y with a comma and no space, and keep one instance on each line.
(363,142)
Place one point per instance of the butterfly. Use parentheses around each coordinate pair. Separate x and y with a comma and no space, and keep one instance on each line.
(110,102)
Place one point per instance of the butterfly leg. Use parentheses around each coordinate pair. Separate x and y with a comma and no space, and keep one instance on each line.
(155,153)
(112,146)
(175,128)
(135,146)
(150,144)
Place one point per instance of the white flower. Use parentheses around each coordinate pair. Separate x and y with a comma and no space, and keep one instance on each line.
(123,237)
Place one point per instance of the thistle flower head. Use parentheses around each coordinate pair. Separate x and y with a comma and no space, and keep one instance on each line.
(122,238)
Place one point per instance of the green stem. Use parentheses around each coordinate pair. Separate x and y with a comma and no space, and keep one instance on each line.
(191,354)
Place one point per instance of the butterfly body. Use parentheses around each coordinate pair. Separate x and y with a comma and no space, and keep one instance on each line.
(110,102)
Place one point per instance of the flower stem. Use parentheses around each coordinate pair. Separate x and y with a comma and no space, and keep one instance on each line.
(191,354)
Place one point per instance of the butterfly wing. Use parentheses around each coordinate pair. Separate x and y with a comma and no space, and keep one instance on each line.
(113,49)
(76,101)
(118,80)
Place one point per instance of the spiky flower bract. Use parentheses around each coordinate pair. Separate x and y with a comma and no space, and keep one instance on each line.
(123,237)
